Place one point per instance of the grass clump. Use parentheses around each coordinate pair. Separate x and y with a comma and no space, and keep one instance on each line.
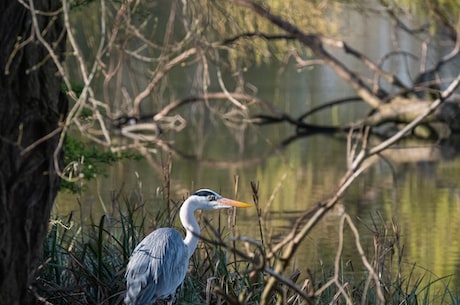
(84,264)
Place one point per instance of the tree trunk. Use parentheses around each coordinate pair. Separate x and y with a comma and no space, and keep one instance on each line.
(31,106)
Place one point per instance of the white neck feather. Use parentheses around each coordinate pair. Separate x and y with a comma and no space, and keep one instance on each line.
(190,224)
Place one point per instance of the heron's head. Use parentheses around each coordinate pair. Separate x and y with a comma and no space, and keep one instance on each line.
(209,200)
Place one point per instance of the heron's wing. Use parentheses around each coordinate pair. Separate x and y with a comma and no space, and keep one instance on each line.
(157,267)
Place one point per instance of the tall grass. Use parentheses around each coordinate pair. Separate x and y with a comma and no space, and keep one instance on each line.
(85,264)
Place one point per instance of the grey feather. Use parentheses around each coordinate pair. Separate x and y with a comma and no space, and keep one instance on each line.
(156,268)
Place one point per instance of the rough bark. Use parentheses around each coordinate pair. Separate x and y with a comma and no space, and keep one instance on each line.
(31,107)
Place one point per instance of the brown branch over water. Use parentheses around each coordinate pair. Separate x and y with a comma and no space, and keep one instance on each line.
(315,44)
(392,79)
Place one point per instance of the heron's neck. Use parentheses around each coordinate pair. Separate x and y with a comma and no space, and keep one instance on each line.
(191,226)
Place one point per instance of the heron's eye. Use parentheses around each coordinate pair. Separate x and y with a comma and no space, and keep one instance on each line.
(211,197)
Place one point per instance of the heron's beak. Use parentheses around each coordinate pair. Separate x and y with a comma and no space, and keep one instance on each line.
(233,203)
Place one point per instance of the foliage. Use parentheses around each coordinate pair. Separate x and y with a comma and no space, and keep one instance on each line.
(442,10)
(248,38)
(85,162)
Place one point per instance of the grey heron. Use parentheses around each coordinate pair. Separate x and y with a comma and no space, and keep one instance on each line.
(158,265)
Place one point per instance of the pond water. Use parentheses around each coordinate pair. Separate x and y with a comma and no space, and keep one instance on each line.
(416,185)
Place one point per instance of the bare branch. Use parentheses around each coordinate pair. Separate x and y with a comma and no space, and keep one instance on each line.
(160,74)
(392,79)
(234,39)
(41,140)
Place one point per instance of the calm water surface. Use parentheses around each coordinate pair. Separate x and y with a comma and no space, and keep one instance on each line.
(416,185)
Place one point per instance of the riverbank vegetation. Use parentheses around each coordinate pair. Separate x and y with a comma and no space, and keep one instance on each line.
(84,263)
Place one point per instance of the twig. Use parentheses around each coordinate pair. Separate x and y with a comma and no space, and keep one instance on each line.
(336,278)
(41,140)
(257,34)
(366,263)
